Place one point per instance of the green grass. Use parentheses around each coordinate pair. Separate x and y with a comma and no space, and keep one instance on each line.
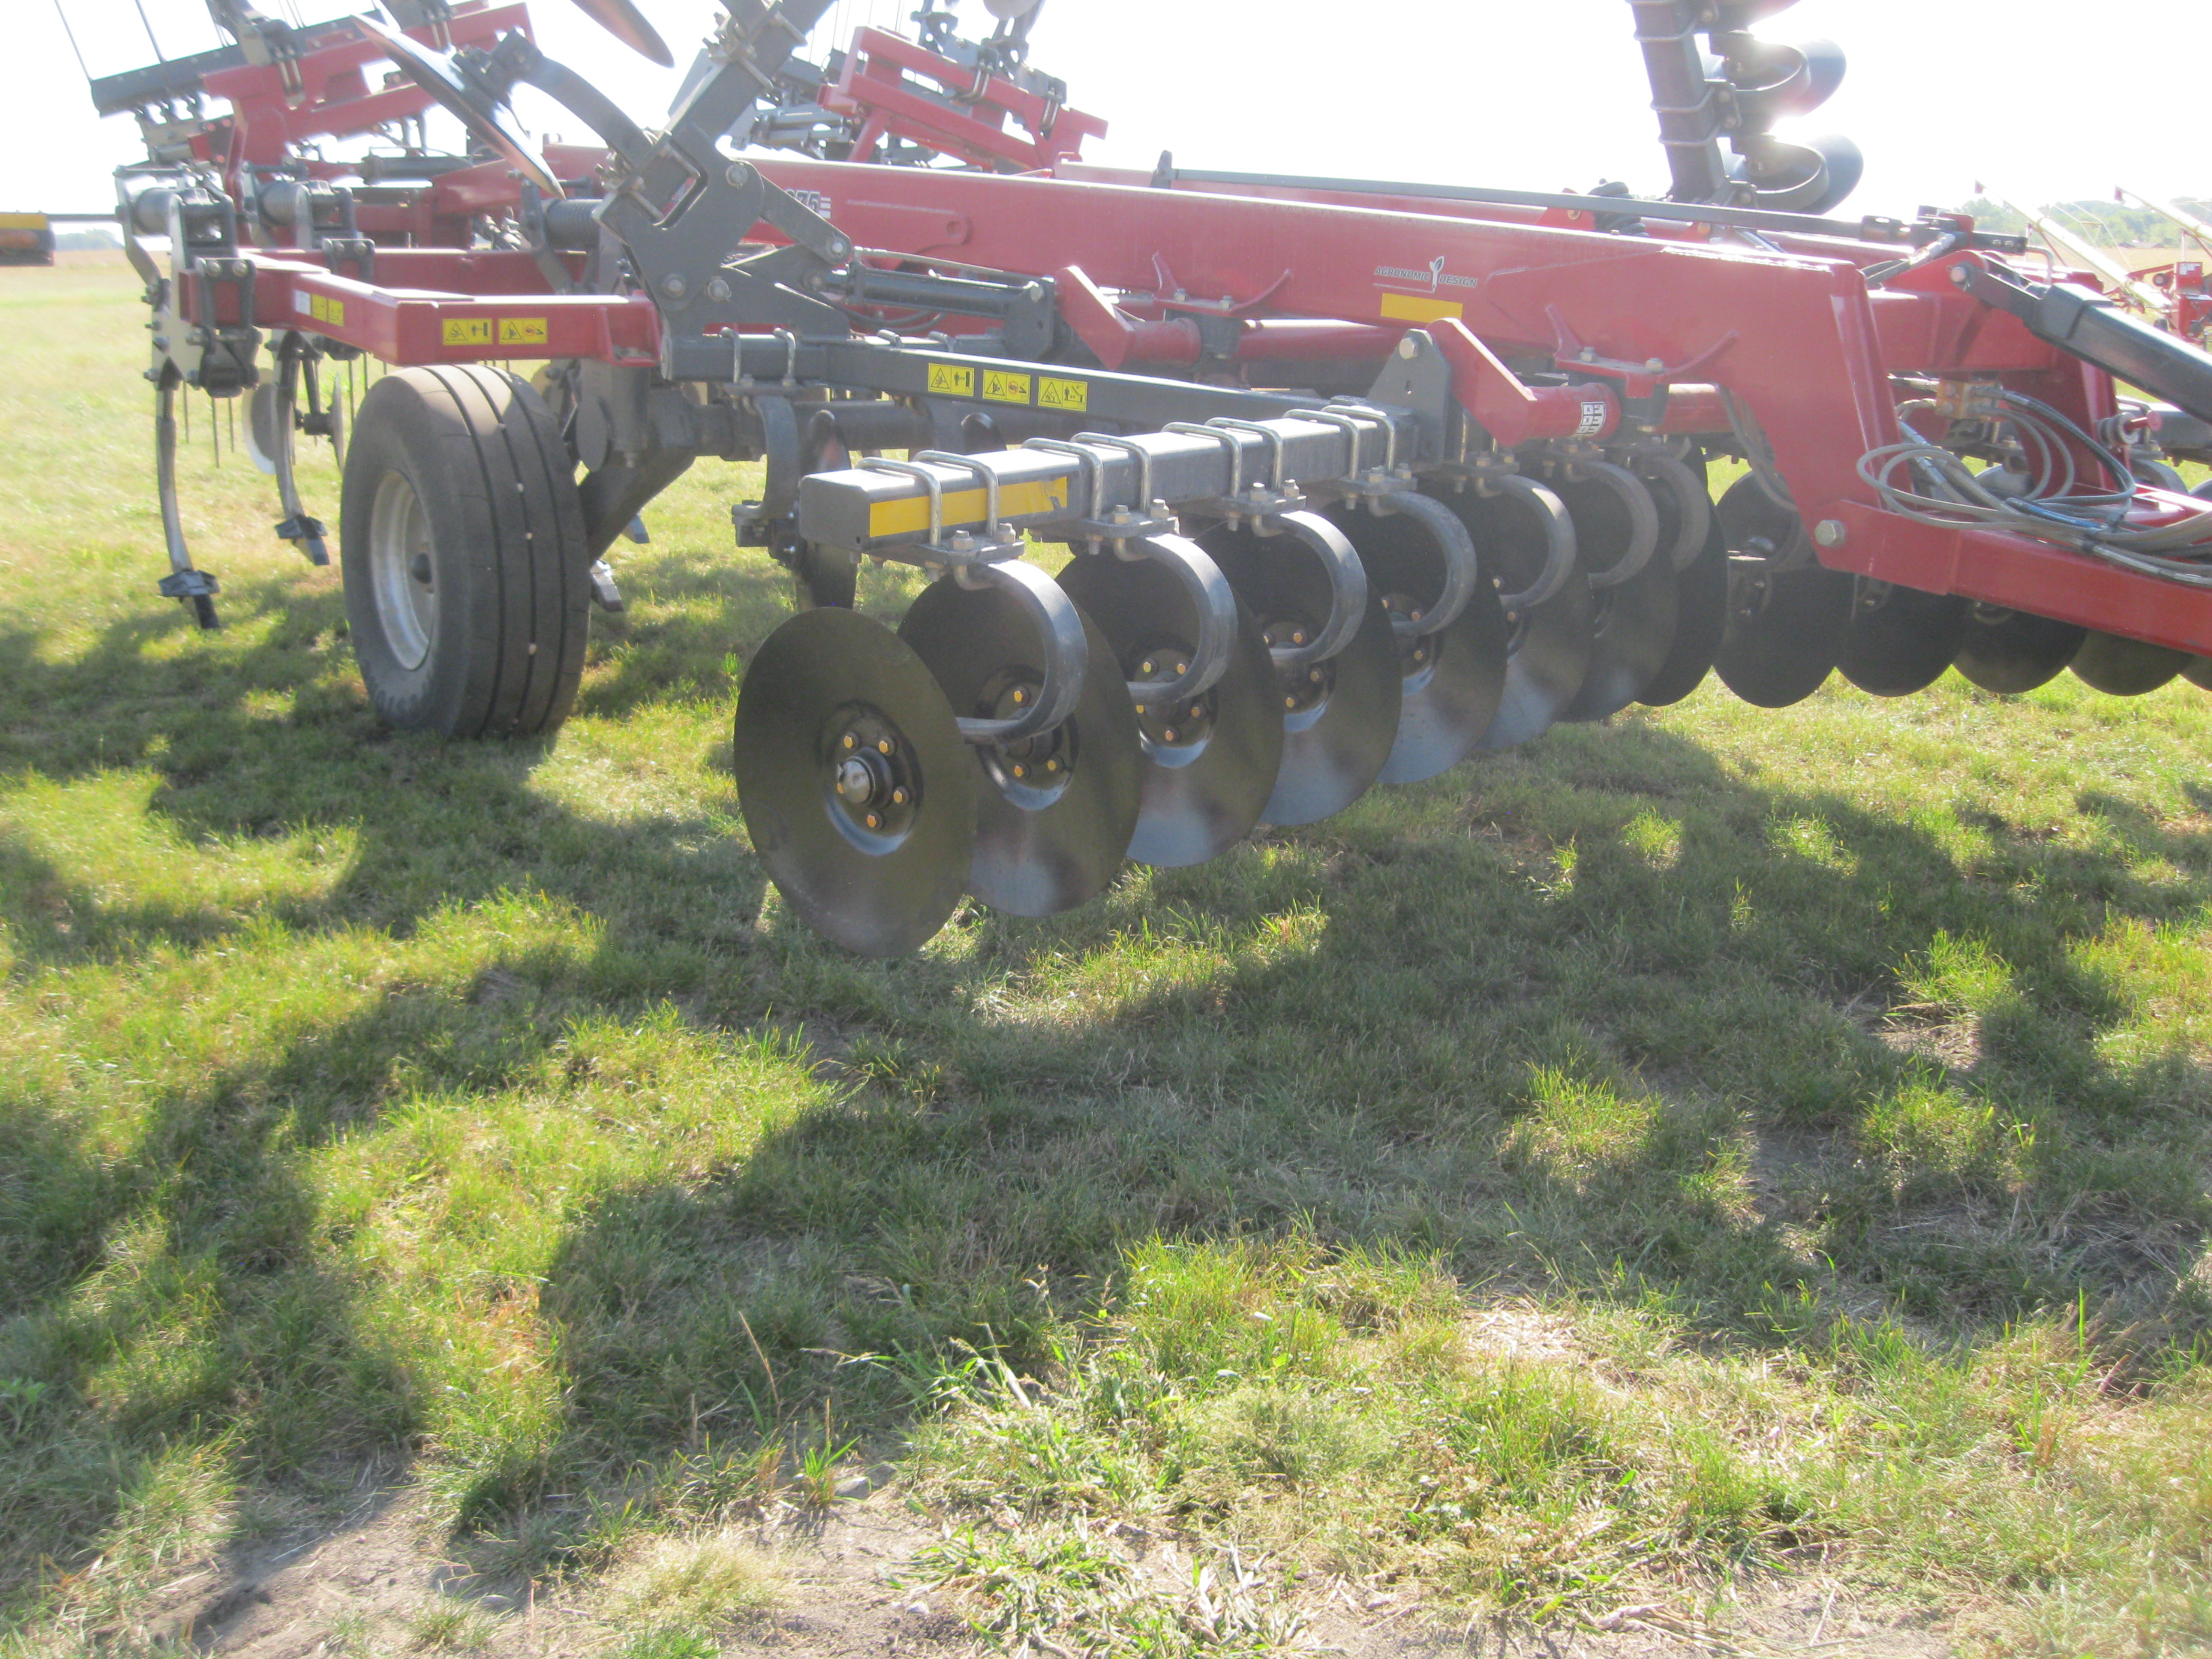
(1707,1146)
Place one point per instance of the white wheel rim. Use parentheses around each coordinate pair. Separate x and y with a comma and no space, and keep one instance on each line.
(401,572)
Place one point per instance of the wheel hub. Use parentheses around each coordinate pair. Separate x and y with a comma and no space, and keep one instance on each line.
(873,779)
(1032,772)
(1174,733)
(402,576)
(1306,686)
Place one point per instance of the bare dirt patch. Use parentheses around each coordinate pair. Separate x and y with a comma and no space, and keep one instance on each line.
(380,1584)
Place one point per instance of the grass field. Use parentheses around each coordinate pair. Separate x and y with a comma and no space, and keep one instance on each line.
(1707,1151)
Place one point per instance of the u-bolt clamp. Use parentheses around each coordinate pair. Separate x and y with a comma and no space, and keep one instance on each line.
(962,548)
(1376,485)
(1262,503)
(1063,648)
(1097,527)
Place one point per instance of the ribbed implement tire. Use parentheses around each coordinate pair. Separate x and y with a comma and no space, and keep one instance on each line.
(455,480)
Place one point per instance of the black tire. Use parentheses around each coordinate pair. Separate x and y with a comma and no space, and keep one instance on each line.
(458,475)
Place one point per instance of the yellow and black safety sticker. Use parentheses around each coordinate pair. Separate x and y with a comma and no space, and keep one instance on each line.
(1072,396)
(1046,498)
(490,331)
(323,309)
(951,380)
(1000,386)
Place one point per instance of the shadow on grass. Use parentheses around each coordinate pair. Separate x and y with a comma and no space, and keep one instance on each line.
(1607,1019)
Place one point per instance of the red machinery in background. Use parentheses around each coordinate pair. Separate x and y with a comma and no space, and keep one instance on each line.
(1361,479)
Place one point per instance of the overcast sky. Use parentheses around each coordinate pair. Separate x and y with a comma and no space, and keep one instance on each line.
(2033,97)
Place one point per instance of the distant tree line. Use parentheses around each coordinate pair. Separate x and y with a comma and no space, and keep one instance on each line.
(2103,223)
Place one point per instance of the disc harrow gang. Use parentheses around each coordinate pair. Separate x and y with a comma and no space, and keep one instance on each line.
(1357,481)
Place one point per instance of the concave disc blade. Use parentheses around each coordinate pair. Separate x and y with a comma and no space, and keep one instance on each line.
(1340,716)
(2122,667)
(627,24)
(1209,765)
(1785,630)
(261,435)
(1449,682)
(1054,813)
(1547,651)
(1631,622)
(468,104)
(2009,651)
(827,693)
(1700,620)
(2199,672)
(1901,640)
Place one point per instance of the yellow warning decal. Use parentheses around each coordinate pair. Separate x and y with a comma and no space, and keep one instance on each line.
(522,330)
(468,331)
(22,221)
(953,380)
(323,309)
(1001,387)
(1414,308)
(1073,396)
(1046,499)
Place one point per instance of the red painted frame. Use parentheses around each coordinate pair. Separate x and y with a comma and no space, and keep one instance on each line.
(1794,332)
(876,87)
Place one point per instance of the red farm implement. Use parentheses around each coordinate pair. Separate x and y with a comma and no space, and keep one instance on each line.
(1359,479)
